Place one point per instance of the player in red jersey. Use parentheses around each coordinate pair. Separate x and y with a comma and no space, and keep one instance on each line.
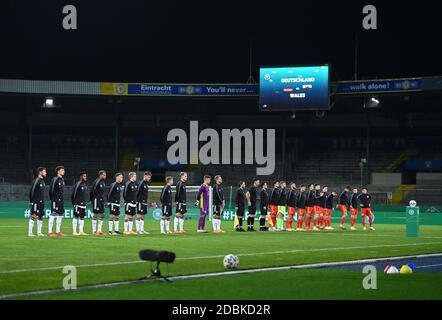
(365,199)
(354,208)
(301,201)
(343,205)
(310,202)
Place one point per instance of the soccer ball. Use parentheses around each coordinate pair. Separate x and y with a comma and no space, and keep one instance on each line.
(231,261)
(413,203)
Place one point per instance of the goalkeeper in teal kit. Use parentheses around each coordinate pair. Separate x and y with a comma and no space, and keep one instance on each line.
(202,201)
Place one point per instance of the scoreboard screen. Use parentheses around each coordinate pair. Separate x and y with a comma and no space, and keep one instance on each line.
(294,88)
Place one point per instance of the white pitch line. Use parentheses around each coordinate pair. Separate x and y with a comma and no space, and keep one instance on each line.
(430,265)
(218,274)
(222,256)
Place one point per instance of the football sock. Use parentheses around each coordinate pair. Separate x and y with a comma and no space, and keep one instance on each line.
(94,225)
(74,225)
(58,226)
(181,222)
(370,220)
(343,220)
(51,223)
(353,220)
(363,221)
(218,224)
(39,226)
(100,225)
(137,225)
(315,222)
(308,222)
(262,222)
(162,225)
(175,224)
(141,225)
(111,223)
(117,224)
(81,225)
(126,225)
(167,225)
(30,225)
(214,223)
(130,225)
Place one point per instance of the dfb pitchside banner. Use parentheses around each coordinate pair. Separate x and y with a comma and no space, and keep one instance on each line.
(378,86)
(164,90)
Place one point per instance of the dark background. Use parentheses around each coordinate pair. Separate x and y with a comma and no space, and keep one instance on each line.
(208,41)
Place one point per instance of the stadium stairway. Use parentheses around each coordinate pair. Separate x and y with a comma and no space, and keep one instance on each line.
(400,159)
(127,161)
(402,193)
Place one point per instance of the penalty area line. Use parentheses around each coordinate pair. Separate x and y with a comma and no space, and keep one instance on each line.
(218,274)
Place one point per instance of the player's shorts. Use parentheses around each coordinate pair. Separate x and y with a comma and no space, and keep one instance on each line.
(79,212)
(181,207)
(282,209)
(142,208)
(366,212)
(167,211)
(328,212)
(57,208)
(252,210)
(38,209)
(317,210)
(354,211)
(291,210)
(263,211)
(217,209)
(240,212)
(310,211)
(129,209)
(301,212)
(114,209)
(342,208)
(98,206)
(273,209)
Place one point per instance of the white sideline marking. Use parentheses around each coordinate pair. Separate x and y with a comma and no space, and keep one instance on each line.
(223,255)
(430,265)
(218,274)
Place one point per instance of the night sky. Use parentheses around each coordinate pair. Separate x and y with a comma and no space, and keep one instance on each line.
(208,41)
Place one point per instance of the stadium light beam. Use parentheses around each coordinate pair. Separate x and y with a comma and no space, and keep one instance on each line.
(49,103)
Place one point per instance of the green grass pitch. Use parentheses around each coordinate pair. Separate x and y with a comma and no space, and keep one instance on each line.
(32,264)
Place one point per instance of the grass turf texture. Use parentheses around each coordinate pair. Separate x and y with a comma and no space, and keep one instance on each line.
(115,258)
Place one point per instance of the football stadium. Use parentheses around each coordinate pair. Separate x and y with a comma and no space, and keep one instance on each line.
(214,165)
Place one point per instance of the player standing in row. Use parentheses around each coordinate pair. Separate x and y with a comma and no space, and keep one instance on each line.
(301,204)
(274,201)
(310,206)
(36,199)
(79,201)
(142,201)
(180,201)
(329,210)
(365,199)
(282,203)
(56,195)
(239,205)
(97,199)
(343,205)
(130,203)
(166,202)
(251,196)
(218,204)
(114,197)
(291,206)
(354,208)
(316,207)
(203,202)
(263,206)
